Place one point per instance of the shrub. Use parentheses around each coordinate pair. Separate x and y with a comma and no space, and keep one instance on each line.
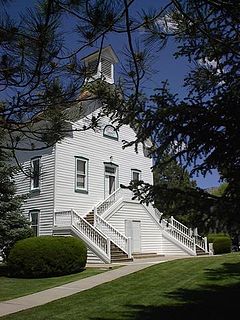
(47,256)
(222,245)
(221,242)
(3,270)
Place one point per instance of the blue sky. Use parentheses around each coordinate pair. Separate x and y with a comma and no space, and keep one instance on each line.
(164,64)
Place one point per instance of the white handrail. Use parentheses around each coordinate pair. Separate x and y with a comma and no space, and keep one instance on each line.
(71,218)
(184,234)
(115,236)
(109,201)
(181,227)
(177,234)
(201,242)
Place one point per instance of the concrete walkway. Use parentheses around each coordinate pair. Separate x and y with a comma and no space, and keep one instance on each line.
(42,297)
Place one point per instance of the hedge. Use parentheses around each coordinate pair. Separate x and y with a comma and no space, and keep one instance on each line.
(47,256)
(221,242)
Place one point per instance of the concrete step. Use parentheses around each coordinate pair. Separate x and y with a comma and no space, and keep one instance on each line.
(116,250)
(146,255)
(118,254)
(121,260)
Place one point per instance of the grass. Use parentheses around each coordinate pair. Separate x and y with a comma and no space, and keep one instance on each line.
(12,287)
(197,288)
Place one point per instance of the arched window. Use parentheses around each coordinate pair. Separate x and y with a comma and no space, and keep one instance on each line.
(110,132)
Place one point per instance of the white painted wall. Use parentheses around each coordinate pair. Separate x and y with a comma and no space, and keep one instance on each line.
(58,172)
(151,235)
(43,200)
(98,149)
(170,248)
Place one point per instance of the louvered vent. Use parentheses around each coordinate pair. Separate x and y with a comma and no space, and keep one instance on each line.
(106,68)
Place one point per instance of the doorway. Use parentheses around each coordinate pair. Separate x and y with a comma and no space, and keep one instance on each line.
(110,179)
(133,230)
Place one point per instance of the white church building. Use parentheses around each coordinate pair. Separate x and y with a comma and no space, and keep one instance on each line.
(75,190)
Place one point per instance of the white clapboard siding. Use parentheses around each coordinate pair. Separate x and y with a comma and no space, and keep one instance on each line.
(44,201)
(92,257)
(170,248)
(98,149)
(151,235)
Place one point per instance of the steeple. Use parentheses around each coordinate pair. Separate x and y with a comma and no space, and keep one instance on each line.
(101,67)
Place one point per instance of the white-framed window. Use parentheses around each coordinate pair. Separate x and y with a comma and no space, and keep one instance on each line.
(81,174)
(110,132)
(34,220)
(136,175)
(35,173)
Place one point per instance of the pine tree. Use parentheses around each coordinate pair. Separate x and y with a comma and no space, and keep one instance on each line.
(172,177)
(13,225)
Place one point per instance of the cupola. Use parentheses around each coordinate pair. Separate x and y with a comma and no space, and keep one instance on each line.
(101,67)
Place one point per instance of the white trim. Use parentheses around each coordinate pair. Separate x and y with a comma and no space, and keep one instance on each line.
(85,174)
(32,173)
(38,218)
(139,172)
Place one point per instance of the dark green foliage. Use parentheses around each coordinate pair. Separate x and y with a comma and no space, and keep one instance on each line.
(13,225)
(173,177)
(212,236)
(3,269)
(47,256)
(201,129)
(40,77)
(221,242)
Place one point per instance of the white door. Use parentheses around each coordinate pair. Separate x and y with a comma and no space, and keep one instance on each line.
(133,230)
(110,179)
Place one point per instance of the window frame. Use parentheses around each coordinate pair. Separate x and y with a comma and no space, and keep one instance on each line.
(116,175)
(32,177)
(107,135)
(86,174)
(35,225)
(139,172)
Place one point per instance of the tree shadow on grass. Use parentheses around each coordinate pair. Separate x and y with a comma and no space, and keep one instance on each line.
(226,270)
(208,301)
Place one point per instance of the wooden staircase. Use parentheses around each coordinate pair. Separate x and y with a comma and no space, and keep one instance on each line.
(200,251)
(90,217)
(117,255)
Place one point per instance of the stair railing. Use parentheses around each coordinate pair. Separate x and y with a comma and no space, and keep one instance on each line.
(181,227)
(104,205)
(71,218)
(201,242)
(183,234)
(177,234)
(119,239)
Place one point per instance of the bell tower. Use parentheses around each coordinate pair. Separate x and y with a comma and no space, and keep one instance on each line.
(100,65)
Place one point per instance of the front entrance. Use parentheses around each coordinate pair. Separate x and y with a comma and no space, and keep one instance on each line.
(133,230)
(110,179)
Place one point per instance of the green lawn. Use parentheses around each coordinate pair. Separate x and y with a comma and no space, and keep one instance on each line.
(12,288)
(197,288)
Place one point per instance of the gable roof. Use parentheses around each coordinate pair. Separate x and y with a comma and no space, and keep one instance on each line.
(106,52)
